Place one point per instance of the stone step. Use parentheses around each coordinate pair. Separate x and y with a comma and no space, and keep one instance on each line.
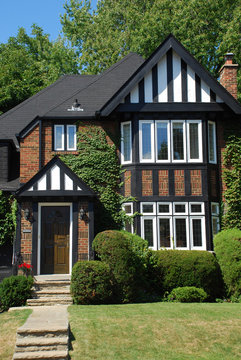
(51,292)
(41,355)
(48,301)
(42,332)
(36,343)
(41,348)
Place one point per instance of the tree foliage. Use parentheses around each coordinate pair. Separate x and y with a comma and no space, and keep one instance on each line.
(30,63)
(8,210)
(208,29)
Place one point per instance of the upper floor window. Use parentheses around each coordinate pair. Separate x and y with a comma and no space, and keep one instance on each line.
(126,142)
(170,141)
(64,137)
(212,155)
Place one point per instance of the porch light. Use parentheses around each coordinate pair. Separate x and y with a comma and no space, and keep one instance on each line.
(81,213)
(26,214)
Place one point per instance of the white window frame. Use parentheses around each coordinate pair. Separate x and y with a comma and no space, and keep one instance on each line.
(168,141)
(55,137)
(141,122)
(164,203)
(122,143)
(196,213)
(180,213)
(202,218)
(214,143)
(129,214)
(148,203)
(200,147)
(158,232)
(187,232)
(184,141)
(154,229)
(215,215)
(67,134)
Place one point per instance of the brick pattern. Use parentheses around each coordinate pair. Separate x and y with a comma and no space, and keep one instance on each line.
(127,183)
(163,183)
(83,233)
(213,181)
(228,78)
(26,237)
(147,183)
(29,155)
(196,182)
(179,182)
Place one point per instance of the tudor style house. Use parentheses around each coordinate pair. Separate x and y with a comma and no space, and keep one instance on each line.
(172,116)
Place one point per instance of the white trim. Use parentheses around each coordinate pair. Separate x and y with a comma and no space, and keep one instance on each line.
(68,147)
(148,203)
(191,84)
(205,92)
(151,122)
(180,203)
(203,229)
(168,141)
(129,214)
(200,147)
(196,203)
(162,79)
(70,232)
(134,95)
(164,203)
(184,141)
(177,78)
(158,232)
(216,204)
(148,88)
(187,232)
(55,137)
(214,142)
(122,143)
(154,229)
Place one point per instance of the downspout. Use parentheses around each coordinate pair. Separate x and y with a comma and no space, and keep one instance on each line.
(40,144)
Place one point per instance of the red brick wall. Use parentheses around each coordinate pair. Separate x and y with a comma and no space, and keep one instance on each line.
(163,182)
(29,155)
(196,182)
(26,237)
(127,183)
(147,183)
(179,182)
(83,233)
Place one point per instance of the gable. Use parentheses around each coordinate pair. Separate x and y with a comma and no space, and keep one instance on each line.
(55,179)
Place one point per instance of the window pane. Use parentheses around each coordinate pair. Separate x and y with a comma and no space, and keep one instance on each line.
(215,225)
(71,137)
(181,234)
(194,141)
(211,142)
(180,208)
(59,130)
(215,209)
(147,208)
(146,141)
(196,208)
(197,232)
(127,209)
(164,233)
(128,227)
(162,141)
(178,145)
(148,231)
(127,142)
(163,208)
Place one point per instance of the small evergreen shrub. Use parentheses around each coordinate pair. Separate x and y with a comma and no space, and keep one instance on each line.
(114,248)
(91,283)
(15,290)
(187,294)
(180,268)
(227,246)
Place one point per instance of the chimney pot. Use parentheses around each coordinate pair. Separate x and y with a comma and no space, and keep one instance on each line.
(228,75)
(228,58)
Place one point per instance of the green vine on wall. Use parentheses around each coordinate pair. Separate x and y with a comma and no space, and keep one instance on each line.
(8,209)
(232,179)
(97,165)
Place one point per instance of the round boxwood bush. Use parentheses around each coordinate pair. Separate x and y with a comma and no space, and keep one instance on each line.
(227,246)
(91,283)
(114,248)
(187,294)
(179,268)
(15,290)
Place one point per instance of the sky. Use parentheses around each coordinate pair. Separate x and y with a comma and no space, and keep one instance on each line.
(23,13)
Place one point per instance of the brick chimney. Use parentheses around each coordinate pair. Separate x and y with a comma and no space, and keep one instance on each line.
(228,75)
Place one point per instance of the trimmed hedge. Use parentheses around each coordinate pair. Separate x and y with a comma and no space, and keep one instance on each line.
(91,283)
(187,294)
(178,268)
(15,290)
(227,246)
(115,248)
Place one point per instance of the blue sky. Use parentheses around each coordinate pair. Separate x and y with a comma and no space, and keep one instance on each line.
(23,13)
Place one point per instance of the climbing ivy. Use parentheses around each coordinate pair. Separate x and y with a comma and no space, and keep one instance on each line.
(97,165)
(232,179)
(8,210)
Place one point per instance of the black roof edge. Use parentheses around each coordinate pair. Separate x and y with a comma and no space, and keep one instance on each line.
(168,43)
(27,129)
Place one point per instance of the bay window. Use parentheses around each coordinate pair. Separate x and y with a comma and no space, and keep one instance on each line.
(128,209)
(146,141)
(126,142)
(178,141)
(215,218)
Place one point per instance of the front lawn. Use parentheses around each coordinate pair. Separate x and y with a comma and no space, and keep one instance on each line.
(157,331)
(9,323)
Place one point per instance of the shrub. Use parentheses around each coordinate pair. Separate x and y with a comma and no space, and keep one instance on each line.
(15,290)
(91,283)
(179,268)
(114,248)
(227,246)
(187,294)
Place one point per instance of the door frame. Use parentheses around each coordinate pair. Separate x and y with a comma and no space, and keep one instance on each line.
(40,205)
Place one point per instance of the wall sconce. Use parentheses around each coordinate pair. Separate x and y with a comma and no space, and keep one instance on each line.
(26,214)
(81,213)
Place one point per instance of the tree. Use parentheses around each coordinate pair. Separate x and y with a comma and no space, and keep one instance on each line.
(30,63)
(208,29)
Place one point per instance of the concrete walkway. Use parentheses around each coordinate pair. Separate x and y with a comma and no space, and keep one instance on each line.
(45,334)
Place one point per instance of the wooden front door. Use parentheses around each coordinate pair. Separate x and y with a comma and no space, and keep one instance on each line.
(55,224)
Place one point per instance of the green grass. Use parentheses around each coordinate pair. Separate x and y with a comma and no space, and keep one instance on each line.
(9,323)
(157,331)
